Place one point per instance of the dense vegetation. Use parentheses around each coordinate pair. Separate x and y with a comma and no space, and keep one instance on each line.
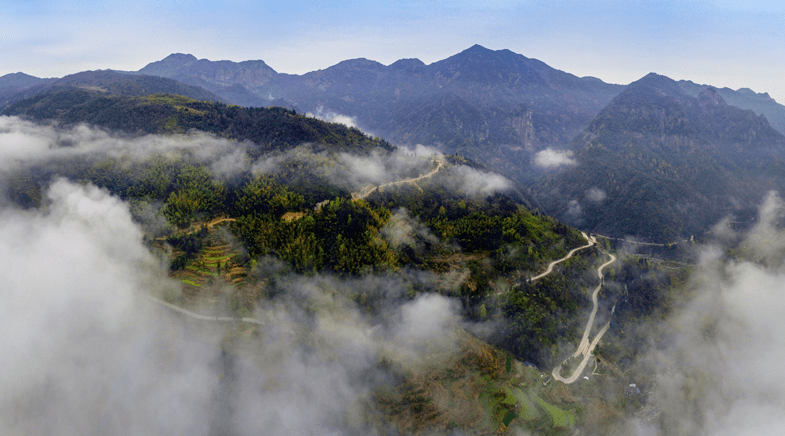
(268,128)
(483,245)
(299,214)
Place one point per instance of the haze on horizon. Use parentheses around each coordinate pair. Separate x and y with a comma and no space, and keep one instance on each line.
(731,44)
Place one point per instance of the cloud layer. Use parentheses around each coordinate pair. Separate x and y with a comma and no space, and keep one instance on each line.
(84,354)
(721,371)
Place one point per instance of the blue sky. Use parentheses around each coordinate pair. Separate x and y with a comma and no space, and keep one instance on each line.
(723,43)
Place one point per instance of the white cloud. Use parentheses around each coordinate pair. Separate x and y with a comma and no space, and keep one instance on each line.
(403,230)
(428,324)
(574,209)
(550,158)
(472,181)
(596,195)
(420,150)
(333,117)
(81,353)
(25,143)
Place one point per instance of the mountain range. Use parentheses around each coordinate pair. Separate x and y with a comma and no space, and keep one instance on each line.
(338,245)
(666,158)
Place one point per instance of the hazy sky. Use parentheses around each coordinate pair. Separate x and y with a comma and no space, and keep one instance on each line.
(731,43)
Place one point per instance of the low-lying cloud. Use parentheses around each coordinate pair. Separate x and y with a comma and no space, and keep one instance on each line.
(472,181)
(358,172)
(403,230)
(596,195)
(721,371)
(333,117)
(550,158)
(83,353)
(25,143)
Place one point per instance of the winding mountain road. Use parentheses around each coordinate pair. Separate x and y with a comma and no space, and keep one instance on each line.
(368,190)
(585,348)
(591,241)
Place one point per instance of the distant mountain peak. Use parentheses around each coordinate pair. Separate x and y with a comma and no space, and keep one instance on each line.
(168,65)
(477,51)
(18,80)
(414,65)
(406,63)
(477,47)
(663,85)
(653,78)
(359,63)
(19,75)
(180,57)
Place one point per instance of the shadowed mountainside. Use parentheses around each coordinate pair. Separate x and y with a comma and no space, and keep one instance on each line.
(659,164)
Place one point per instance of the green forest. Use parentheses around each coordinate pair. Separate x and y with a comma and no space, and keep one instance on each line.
(300,214)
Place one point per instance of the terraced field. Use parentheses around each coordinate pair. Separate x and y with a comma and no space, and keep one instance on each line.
(216,262)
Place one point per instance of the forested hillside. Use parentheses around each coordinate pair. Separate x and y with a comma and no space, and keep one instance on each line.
(269,129)
(108,83)
(242,204)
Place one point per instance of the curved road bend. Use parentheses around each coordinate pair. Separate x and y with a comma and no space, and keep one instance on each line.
(591,241)
(585,347)
(365,192)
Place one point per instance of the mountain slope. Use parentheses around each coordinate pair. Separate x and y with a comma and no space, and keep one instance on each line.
(17,86)
(241,83)
(18,81)
(660,164)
